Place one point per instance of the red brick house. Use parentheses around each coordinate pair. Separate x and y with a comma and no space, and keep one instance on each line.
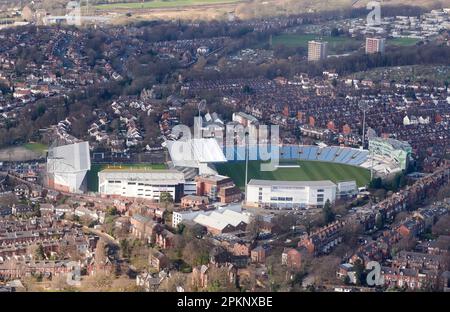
(292,258)
(241,249)
(164,239)
(194,201)
(158,260)
(210,185)
(258,255)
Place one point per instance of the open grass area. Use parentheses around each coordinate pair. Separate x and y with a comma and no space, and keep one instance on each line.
(25,152)
(92,175)
(335,44)
(158,4)
(308,171)
(402,41)
(36,147)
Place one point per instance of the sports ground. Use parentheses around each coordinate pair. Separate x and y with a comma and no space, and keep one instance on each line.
(25,152)
(157,4)
(307,171)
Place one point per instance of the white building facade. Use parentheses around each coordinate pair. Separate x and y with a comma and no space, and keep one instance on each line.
(289,194)
(148,184)
(67,167)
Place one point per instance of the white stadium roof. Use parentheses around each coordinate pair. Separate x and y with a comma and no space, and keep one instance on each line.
(323,183)
(192,152)
(157,176)
(69,158)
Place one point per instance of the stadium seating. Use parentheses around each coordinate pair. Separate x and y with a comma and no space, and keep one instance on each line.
(343,155)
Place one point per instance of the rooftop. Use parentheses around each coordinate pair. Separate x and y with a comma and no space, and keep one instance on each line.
(324,183)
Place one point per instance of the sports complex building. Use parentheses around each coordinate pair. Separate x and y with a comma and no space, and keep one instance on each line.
(286,187)
(296,194)
(289,194)
(141,183)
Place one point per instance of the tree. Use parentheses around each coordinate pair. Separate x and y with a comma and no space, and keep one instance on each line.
(324,269)
(201,63)
(195,231)
(166,198)
(112,211)
(176,280)
(379,221)
(359,272)
(40,252)
(442,226)
(406,243)
(350,234)
(180,228)
(309,222)
(99,282)
(196,252)
(218,280)
(328,214)
(59,282)
(254,227)
(125,248)
(100,254)
(376,183)
(284,223)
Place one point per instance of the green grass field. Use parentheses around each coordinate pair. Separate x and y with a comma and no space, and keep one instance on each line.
(92,175)
(335,44)
(36,147)
(308,171)
(402,41)
(158,4)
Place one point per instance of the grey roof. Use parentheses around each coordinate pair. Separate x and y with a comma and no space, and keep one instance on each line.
(155,176)
(324,183)
(69,158)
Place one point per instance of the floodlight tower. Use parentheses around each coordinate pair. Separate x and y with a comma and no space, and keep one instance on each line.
(201,106)
(199,125)
(246,162)
(364,106)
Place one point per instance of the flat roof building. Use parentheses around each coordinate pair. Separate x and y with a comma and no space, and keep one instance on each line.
(140,183)
(289,194)
(375,45)
(317,50)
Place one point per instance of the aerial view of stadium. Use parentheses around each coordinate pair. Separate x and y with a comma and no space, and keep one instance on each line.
(270,151)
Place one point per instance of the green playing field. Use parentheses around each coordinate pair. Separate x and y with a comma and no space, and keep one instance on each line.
(156,4)
(308,171)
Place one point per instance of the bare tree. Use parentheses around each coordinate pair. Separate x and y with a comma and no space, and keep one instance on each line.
(255,225)
(442,227)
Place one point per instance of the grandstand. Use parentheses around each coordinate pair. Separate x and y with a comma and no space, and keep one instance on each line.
(67,166)
(336,154)
(381,164)
(206,155)
(195,153)
(394,153)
